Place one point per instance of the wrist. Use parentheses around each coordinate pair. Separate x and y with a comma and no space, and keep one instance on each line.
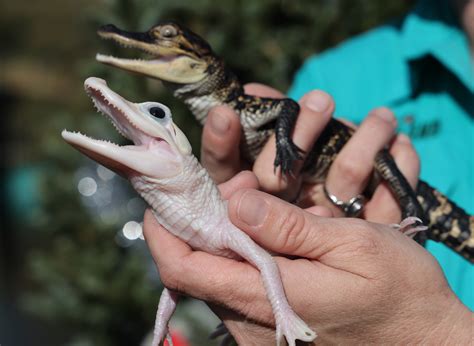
(456,326)
(439,319)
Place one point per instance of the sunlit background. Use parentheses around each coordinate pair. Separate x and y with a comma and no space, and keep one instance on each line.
(74,267)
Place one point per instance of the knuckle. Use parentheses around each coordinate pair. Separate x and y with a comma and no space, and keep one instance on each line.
(214,154)
(365,245)
(270,183)
(364,241)
(351,170)
(293,231)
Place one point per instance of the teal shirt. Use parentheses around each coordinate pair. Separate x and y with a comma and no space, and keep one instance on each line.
(422,69)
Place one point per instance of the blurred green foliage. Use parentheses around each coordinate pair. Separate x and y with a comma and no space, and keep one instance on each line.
(65,266)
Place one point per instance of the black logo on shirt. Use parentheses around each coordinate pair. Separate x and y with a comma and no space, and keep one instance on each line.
(417,129)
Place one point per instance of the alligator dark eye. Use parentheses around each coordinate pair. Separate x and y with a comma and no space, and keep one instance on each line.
(169,31)
(158,112)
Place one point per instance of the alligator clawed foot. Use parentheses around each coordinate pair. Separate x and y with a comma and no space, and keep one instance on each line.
(287,153)
(410,226)
(293,328)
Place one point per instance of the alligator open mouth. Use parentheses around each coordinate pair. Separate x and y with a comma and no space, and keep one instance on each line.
(135,40)
(139,64)
(152,148)
(166,61)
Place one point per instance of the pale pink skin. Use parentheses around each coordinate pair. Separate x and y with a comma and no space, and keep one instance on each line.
(184,199)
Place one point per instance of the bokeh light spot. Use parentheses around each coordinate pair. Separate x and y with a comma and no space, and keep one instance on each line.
(87,186)
(132,230)
(104,173)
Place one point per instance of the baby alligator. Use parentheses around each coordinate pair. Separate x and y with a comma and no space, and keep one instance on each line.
(186,64)
(184,199)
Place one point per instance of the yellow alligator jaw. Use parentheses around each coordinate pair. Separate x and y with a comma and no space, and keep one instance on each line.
(182,70)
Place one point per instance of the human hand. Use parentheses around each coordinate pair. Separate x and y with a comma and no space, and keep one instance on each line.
(352,281)
(220,149)
(353,167)
(221,136)
(348,175)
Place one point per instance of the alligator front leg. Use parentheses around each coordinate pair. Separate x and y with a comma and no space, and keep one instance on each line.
(287,151)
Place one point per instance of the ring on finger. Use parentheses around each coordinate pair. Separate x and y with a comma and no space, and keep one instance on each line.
(351,208)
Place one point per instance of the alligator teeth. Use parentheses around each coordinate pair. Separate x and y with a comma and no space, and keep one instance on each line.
(97,106)
(125,45)
(78,133)
(107,58)
(99,99)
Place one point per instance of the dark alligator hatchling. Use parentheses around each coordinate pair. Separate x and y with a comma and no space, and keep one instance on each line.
(186,64)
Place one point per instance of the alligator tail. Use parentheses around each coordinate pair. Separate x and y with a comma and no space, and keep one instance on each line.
(449,224)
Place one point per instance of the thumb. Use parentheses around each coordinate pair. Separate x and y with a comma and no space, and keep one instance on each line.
(282,227)
(220,144)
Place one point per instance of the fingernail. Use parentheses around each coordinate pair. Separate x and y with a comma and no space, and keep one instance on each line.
(219,124)
(253,209)
(385,114)
(317,101)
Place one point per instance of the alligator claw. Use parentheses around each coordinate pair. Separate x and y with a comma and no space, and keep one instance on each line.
(287,153)
(410,226)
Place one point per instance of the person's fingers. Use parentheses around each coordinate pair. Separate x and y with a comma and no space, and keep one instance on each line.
(243,180)
(320,210)
(383,206)
(316,111)
(348,123)
(284,228)
(220,153)
(406,158)
(353,166)
(227,282)
(262,90)
(183,270)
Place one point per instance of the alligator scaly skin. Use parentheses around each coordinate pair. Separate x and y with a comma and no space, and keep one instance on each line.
(260,117)
(448,223)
